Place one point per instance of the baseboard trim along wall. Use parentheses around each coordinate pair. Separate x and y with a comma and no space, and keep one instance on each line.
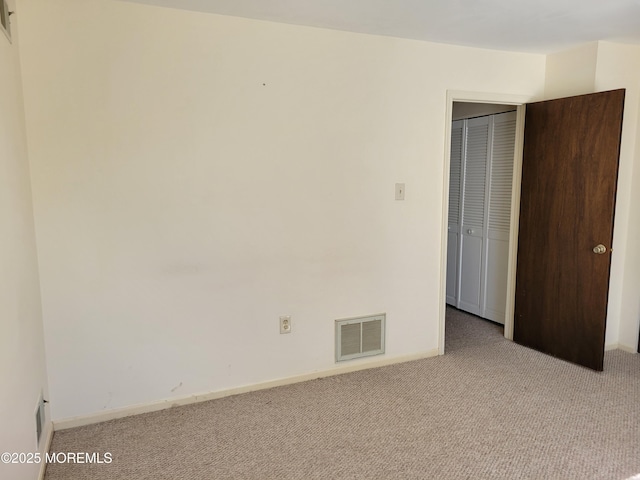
(620,346)
(176,402)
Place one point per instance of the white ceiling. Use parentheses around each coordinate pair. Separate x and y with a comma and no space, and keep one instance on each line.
(539,26)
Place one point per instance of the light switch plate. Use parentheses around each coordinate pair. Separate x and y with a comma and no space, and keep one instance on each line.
(399,191)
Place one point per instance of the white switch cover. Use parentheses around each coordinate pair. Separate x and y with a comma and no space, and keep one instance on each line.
(399,191)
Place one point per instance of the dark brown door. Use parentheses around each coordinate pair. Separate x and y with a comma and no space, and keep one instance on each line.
(569,180)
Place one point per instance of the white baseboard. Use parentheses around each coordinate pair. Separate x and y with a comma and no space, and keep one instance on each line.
(47,447)
(354,366)
(627,348)
(620,346)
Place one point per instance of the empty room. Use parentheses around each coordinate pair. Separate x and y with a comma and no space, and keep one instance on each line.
(260,239)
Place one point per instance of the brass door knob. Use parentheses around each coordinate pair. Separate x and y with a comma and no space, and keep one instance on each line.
(599,249)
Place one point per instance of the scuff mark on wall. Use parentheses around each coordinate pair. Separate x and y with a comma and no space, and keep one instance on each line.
(106,405)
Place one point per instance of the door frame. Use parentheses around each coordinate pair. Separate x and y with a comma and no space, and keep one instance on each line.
(497,98)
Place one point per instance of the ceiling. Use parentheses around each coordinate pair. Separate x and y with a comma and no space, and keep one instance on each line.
(537,26)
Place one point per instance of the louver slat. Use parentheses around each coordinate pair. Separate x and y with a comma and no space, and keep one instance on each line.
(359,337)
(475,176)
(501,175)
(371,336)
(455,174)
(350,339)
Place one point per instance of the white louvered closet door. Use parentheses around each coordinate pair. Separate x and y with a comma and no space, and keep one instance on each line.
(473,215)
(481,173)
(455,203)
(499,215)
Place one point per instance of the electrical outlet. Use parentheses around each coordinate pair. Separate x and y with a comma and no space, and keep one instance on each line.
(285,324)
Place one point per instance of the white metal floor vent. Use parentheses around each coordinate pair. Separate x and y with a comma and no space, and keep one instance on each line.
(39,419)
(359,337)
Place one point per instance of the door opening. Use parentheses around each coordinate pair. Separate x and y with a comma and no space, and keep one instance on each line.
(480,189)
(483,102)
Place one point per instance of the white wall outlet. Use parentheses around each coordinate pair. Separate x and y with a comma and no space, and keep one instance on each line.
(285,324)
(399,191)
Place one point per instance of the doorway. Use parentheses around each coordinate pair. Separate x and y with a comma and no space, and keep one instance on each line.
(499,100)
(480,188)
(562,205)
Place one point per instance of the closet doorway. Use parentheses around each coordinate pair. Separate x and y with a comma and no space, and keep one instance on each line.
(480,188)
(471,105)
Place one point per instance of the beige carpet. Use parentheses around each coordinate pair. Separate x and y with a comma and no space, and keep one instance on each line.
(487,409)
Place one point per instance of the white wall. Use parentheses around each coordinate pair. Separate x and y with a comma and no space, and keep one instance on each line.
(196,176)
(22,366)
(571,72)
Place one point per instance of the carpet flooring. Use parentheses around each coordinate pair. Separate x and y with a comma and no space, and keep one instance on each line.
(488,408)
